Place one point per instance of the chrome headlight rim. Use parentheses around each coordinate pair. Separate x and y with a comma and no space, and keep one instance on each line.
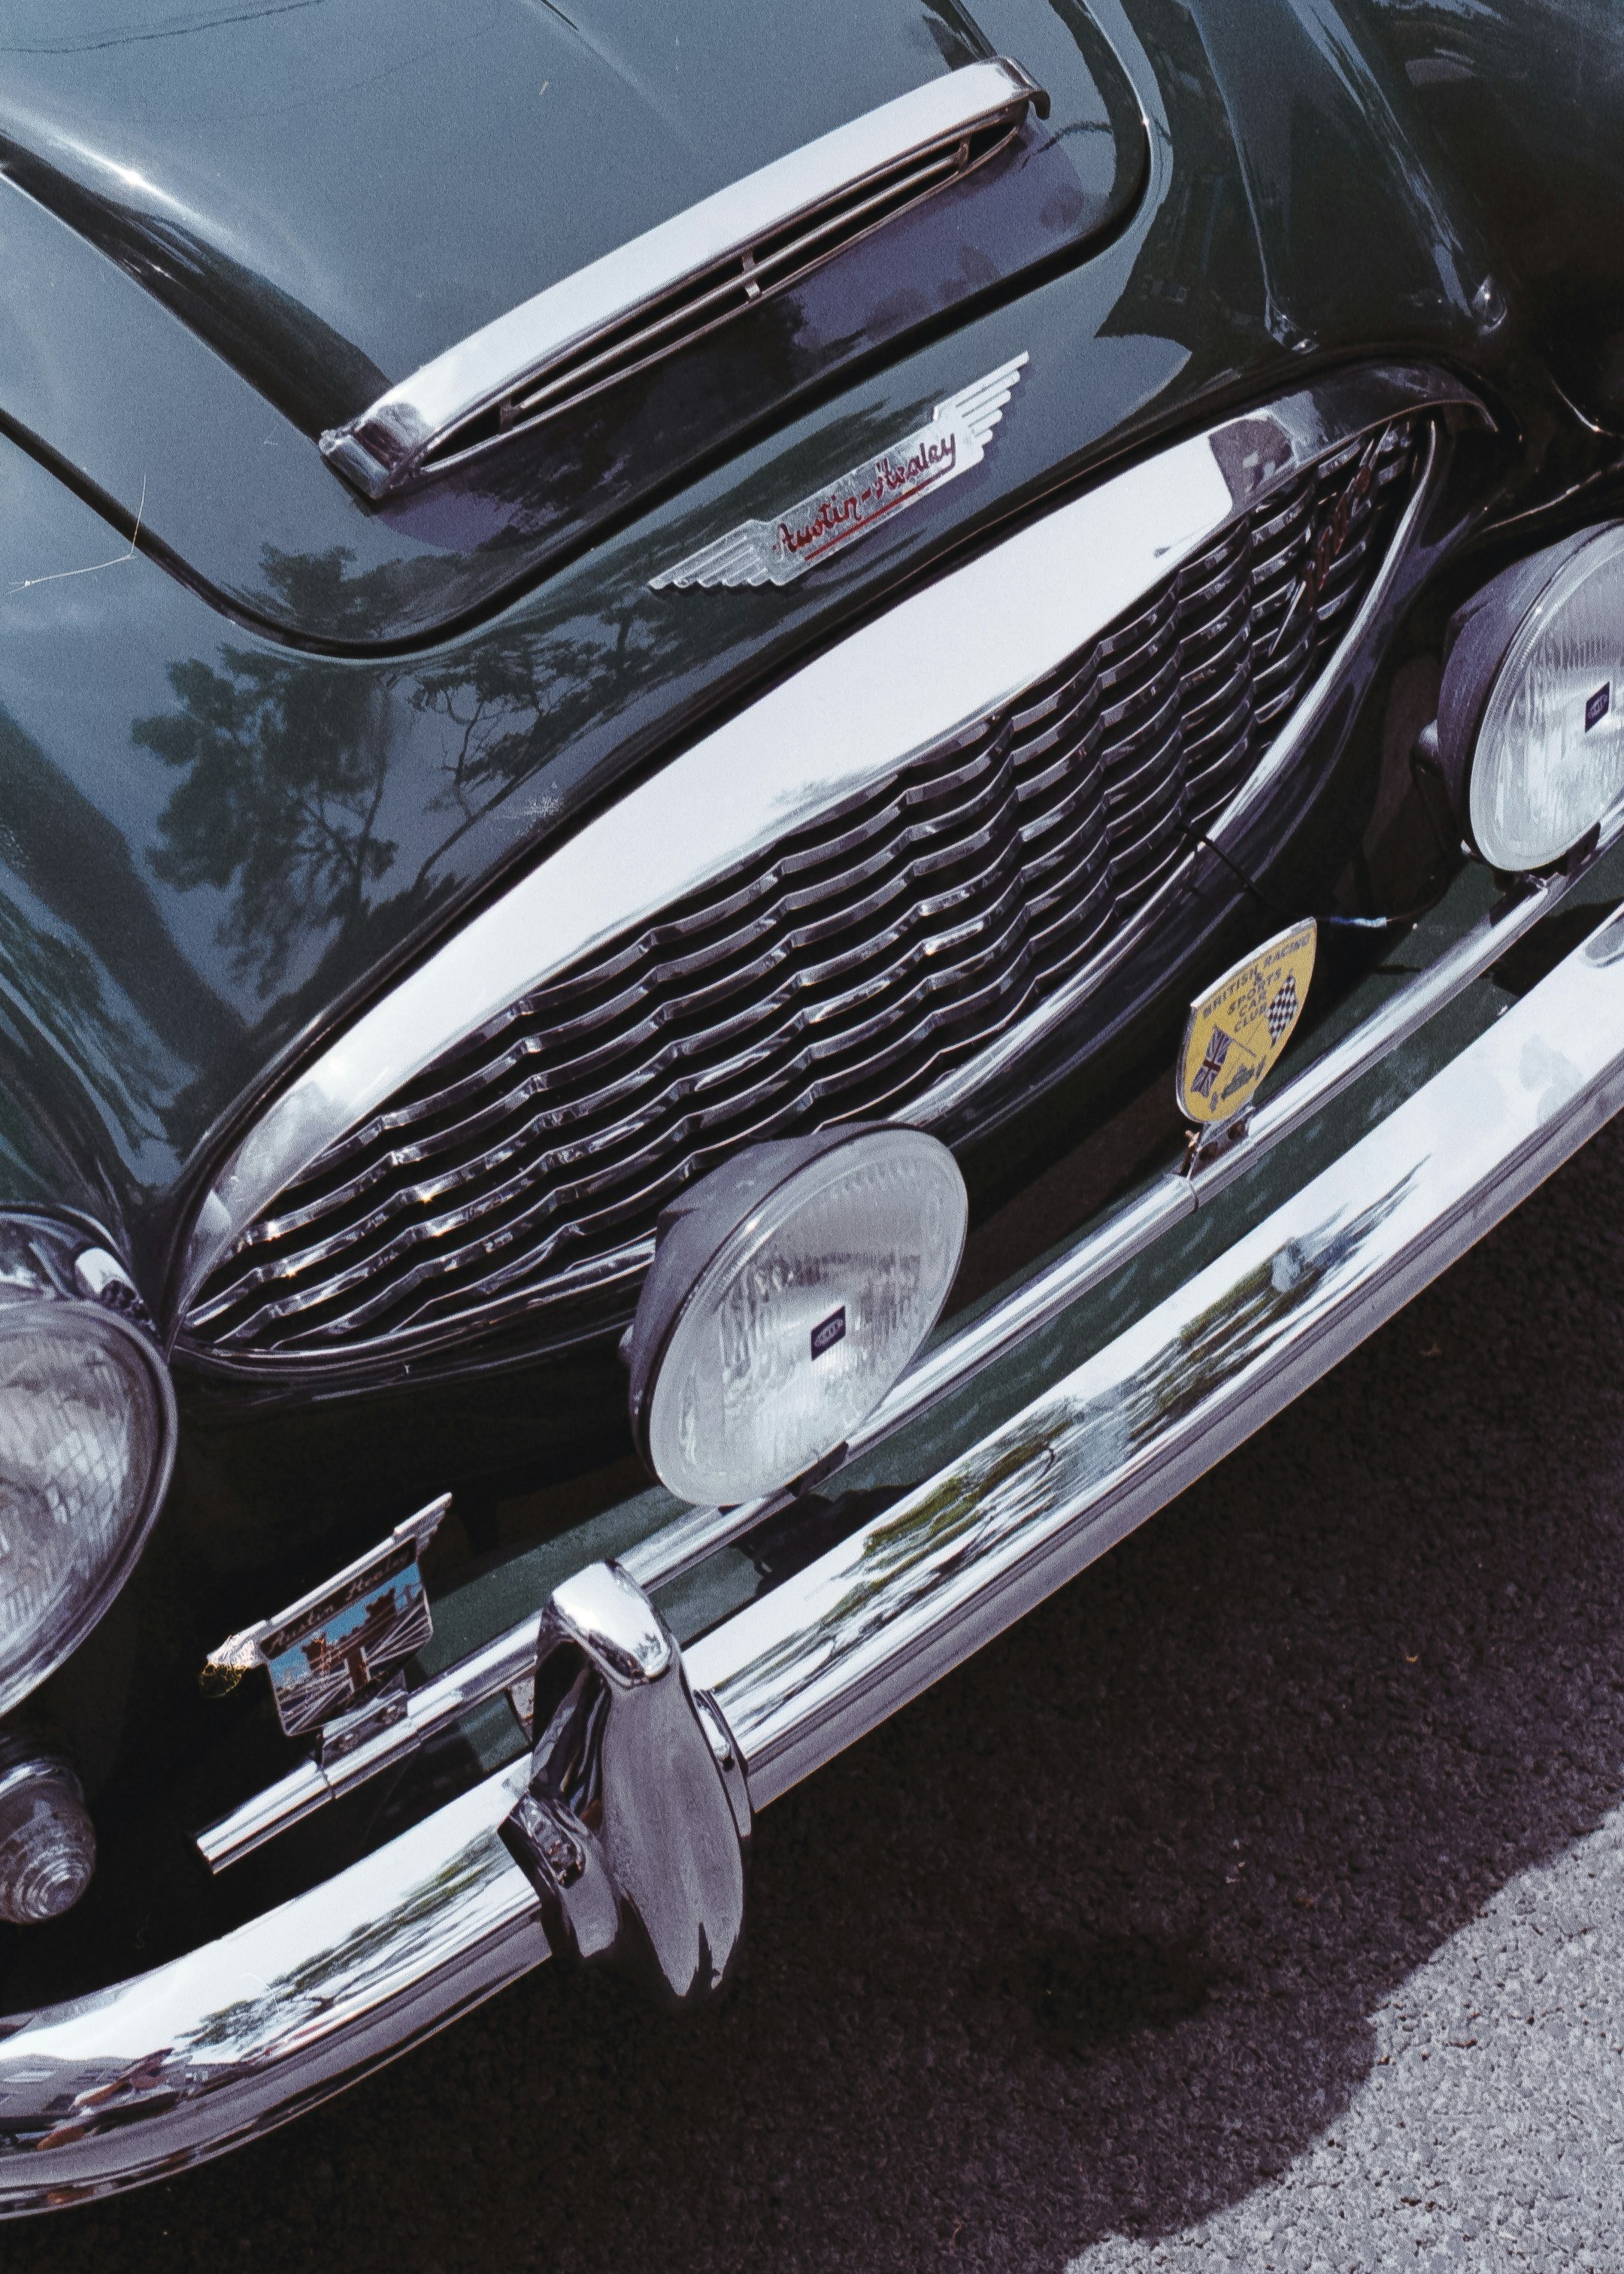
(55,1264)
(1491,645)
(709,1236)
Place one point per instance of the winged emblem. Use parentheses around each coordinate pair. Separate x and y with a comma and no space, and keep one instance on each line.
(777,552)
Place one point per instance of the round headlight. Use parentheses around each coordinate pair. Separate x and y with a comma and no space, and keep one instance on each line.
(86,1437)
(1531,718)
(789,1289)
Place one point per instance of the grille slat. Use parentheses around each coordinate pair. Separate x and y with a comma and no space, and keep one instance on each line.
(839,973)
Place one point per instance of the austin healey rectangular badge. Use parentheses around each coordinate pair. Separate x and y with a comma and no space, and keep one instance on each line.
(777,552)
(325,1650)
(1237,1029)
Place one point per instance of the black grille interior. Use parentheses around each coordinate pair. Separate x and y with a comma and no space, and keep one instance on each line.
(838,972)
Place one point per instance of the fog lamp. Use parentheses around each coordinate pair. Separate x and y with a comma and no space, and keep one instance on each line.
(1530,713)
(48,1845)
(789,1289)
(86,1430)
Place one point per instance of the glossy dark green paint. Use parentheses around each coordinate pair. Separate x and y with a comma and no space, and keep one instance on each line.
(256,175)
(297,825)
(1525,99)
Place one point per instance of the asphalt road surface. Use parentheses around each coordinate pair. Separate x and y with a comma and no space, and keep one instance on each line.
(1258,1902)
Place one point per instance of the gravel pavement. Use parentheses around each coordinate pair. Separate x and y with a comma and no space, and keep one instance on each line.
(1259,1901)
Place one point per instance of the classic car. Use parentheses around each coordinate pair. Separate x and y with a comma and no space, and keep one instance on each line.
(786,794)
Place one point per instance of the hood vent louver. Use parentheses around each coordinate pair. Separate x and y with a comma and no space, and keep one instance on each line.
(653,298)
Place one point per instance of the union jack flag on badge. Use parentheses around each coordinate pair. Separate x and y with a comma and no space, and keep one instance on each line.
(1211,1065)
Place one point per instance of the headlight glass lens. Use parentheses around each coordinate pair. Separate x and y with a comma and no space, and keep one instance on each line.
(806,1316)
(82,1440)
(1550,752)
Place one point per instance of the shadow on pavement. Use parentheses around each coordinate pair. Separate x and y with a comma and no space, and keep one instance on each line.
(1085,1942)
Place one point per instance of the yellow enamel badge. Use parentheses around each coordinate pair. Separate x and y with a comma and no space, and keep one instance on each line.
(1240,1026)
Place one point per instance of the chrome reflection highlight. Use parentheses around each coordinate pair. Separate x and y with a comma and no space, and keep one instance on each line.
(632,1827)
(664,290)
(500,1665)
(148,2076)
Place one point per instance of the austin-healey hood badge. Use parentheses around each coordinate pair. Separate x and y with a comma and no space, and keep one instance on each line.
(1237,1029)
(325,1650)
(777,552)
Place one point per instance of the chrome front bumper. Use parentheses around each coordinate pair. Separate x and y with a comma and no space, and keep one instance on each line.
(160,2071)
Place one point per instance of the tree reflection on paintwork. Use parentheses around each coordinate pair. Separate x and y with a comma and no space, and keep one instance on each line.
(286,759)
(83,945)
(65,993)
(285,771)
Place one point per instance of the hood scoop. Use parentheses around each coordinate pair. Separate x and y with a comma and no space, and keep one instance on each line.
(650,299)
(514,299)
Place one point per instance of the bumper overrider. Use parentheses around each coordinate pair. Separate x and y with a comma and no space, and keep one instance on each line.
(159,2071)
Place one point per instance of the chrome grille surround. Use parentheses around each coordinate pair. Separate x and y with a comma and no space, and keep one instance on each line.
(850,966)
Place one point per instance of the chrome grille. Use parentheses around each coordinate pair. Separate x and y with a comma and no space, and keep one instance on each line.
(838,972)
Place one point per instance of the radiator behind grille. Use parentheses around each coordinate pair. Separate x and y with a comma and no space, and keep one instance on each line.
(838,973)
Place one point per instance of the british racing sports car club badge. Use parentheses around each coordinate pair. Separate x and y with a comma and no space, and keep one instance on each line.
(1237,1029)
(777,552)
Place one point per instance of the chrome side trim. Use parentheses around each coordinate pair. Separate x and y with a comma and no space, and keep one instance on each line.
(499,1665)
(950,1365)
(988,629)
(159,2071)
(582,320)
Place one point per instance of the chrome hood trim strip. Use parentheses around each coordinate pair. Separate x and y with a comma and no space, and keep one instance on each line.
(989,629)
(386,446)
(157,2072)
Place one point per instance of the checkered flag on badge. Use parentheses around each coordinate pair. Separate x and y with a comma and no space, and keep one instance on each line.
(1283,1009)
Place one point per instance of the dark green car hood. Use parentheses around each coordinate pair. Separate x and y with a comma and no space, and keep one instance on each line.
(328,193)
(216,845)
